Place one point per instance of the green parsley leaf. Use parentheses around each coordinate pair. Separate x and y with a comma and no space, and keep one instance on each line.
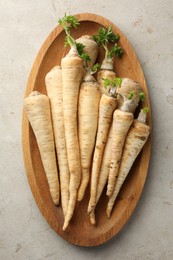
(117,82)
(145,109)
(131,94)
(105,36)
(95,67)
(115,50)
(67,22)
(80,48)
(106,82)
(85,57)
(142,96)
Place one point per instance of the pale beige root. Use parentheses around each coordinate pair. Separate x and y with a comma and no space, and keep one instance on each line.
(106,108)
(136,139)
(101,75)
(88,107)
(37,108)
(121,123)
(72,73)
(72,201)
(127,86)
(93,217)
(104,171)
(54,88)
(91,48)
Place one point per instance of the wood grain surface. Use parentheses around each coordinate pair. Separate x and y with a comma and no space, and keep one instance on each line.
(80,231)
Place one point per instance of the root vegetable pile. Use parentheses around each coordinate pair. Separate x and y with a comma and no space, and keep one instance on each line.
(85,126)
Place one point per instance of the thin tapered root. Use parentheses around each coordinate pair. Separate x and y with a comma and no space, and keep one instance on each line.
(91,208)
(121,123)
(103,171)
(109,208)
(135,140)
(53,81)
(72,73)
(66,223)
(92,218)
(88,109)
(84,184)
(110,188)
(108,213)
(70,209)
(107,106)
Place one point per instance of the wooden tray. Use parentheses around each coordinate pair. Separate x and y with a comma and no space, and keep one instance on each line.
(80,231)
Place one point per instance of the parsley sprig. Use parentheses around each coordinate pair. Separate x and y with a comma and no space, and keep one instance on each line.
(68,22)
(130,95)
(86,58)
(116,82)
(80,48)
(95,68)
(141,96)
(145,110)
(112,85)
(106,36)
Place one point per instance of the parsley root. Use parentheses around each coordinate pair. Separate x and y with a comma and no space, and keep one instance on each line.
(136,138)
(72,74)
(54,88)
(37,108)
(106,108)
(88,107)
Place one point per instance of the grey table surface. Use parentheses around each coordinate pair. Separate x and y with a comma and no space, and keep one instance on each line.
(24,233)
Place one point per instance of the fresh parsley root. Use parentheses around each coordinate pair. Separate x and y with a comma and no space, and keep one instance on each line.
(72,74)
(135,140)
(105,38)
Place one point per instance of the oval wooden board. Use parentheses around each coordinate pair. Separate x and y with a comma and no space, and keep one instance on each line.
(80,231)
